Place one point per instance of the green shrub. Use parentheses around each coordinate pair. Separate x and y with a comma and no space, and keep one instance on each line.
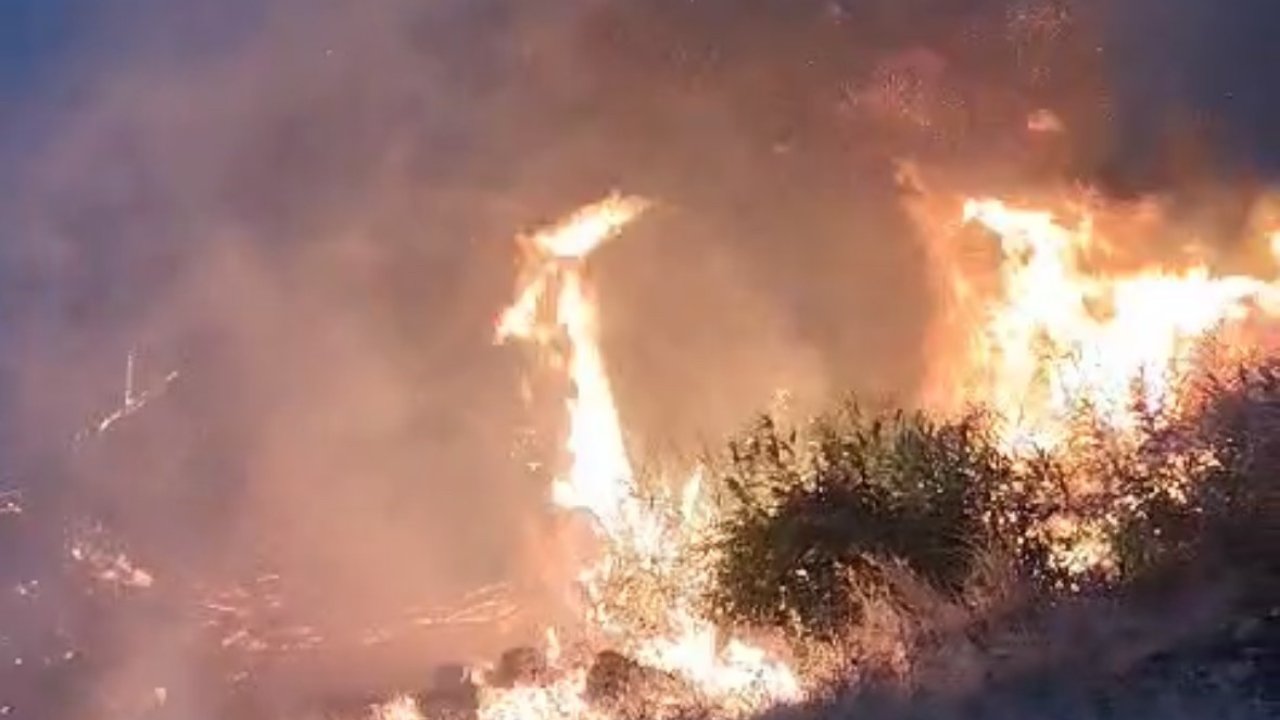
(870,530)
(814,514)
(811,517)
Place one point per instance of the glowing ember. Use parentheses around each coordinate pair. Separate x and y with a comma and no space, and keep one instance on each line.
(401,708)
(106,564)
(10,502)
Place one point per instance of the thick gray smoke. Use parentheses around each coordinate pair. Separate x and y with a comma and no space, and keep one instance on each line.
(305,210)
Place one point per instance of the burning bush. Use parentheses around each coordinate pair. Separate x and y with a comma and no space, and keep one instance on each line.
(1231,512)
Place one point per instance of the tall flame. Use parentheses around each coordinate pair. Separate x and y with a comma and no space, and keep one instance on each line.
(554,308)
(600,479)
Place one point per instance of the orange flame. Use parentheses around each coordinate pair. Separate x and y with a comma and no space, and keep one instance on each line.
(1056,336)
(600,479)
(554,301)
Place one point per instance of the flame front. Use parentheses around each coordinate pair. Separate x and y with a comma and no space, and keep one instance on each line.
(1061,337)
(1055,336)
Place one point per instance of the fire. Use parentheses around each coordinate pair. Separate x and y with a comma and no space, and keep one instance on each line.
(563,698)
(555,310)
(1061,328)
(1052,334)
(401,708)
(1057,336)
(600,480)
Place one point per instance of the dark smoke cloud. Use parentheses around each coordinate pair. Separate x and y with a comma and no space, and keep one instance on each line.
(305,209)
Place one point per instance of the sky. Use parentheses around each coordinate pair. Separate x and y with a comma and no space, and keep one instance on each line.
(32,32)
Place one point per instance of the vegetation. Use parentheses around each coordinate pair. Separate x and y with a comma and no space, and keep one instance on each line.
(817,515)
(1231,513)
(923,560)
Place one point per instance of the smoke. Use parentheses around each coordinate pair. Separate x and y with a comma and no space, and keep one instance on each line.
(305,209)
(277,210)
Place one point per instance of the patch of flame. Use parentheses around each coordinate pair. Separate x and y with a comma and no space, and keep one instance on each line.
(1057,335)
(1055,332)
(562,698)
(400,708)
(554,309)
(554,299)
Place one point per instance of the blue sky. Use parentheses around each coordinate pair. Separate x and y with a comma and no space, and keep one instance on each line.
(37,39)
(32,35)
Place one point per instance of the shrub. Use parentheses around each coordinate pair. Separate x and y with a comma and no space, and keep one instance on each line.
(1230,516)
(814,516)
(870,532)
